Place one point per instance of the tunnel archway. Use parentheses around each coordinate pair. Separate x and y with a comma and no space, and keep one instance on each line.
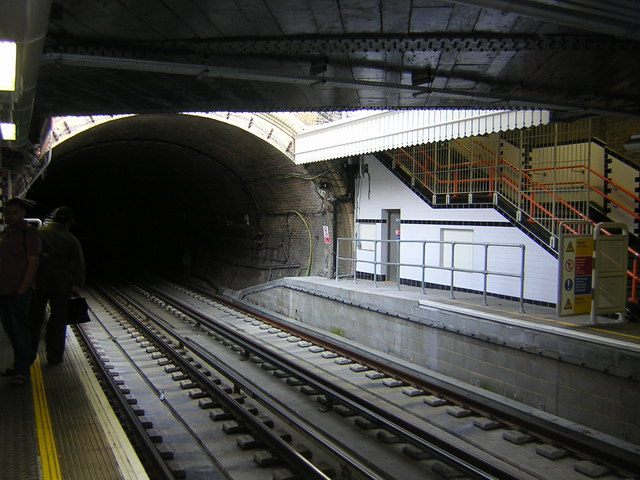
(152,191)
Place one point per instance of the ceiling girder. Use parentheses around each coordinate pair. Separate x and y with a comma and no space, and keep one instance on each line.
(345,44)
(202,71)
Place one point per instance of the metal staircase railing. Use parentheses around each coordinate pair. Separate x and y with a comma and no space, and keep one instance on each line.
(454,169)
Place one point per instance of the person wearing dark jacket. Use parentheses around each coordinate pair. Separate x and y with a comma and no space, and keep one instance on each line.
(61,274)
(19,257)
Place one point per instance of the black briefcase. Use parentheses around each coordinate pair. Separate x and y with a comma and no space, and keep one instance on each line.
(78,311)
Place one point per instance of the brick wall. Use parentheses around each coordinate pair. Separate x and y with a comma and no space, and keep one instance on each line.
(615,132)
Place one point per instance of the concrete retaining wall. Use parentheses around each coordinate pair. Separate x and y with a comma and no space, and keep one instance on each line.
(593,384)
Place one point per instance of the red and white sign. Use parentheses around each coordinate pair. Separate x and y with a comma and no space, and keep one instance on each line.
(325,233)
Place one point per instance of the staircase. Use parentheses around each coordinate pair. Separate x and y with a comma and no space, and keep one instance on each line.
(536,177)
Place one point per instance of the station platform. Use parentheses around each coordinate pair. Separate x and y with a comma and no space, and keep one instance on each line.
(60,425)
(586,373)
(500,309)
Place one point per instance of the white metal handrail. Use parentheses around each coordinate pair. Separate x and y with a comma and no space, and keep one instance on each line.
(353,260)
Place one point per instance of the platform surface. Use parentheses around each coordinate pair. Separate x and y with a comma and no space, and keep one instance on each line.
(497,308)
(60,425)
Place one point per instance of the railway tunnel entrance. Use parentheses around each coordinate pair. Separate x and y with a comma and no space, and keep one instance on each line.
(187,194)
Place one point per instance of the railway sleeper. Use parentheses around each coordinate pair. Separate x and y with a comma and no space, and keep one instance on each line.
(234,426)
(552,452)
(487,423)
(176,469)
(166,453)
(219,414)
(389,438)
(248,442)
(264,458)
(445,471)
(344,361)
(435,401)
(251,408)
(365,423)
(344,411)
(591,469)
(309,390)
(294,382)
(518,437)
(459,412)
(197,394)
(207,403)
(393,383)
(416,453)
(414,392)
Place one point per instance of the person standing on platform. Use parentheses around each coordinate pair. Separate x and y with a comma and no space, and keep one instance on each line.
(61,274)
(20,248)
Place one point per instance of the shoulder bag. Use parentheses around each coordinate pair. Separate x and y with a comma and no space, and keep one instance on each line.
(78,311)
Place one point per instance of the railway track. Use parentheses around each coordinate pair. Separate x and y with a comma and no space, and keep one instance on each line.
(215,391)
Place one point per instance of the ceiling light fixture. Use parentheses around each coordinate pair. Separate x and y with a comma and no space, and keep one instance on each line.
(7,131)
(8,55)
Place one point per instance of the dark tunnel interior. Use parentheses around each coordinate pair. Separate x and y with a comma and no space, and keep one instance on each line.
(151,192)
(142,205)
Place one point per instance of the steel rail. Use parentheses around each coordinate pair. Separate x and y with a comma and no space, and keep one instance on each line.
(154,461)
(270,438)
(615,456)
(392,419)
(248,386)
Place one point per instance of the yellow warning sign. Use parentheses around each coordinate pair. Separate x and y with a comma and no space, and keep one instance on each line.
(582,304)
(584,247)
(575,275)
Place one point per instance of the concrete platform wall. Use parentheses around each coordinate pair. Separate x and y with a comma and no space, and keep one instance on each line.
(584,383)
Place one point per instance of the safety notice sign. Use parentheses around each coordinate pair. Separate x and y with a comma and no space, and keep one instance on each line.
(576,274)
(325,234)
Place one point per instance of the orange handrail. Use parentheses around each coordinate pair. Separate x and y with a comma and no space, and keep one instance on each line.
(401,153)
(524,175)
(633,274)
(601,193)
(584,167)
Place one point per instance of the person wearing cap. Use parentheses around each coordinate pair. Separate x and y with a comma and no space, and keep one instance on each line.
(61,274)
(20,247)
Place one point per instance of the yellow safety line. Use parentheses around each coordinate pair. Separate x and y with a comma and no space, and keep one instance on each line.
(628,335)
(46,442)
(559,322)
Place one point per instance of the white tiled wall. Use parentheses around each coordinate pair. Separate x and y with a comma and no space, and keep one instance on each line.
(379,190)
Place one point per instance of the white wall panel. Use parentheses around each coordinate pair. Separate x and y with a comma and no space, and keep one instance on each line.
(388,192)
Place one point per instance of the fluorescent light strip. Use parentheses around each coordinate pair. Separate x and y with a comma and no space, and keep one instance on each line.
(8,131)
(8,54)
